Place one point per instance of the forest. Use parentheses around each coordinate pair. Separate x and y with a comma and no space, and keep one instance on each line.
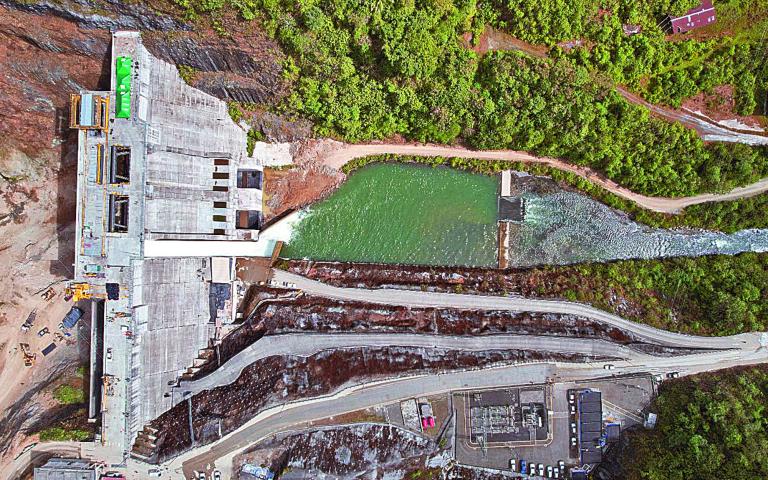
(711,426)
(365,70)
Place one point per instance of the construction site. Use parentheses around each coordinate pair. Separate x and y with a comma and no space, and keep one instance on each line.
(203,339)
(167,199)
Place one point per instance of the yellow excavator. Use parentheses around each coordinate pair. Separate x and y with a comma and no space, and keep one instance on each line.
(79,291)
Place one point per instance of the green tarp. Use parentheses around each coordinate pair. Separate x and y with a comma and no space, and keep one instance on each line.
(123,70)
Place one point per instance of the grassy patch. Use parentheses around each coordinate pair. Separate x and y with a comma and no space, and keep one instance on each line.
(187,73)
(254,135)
(61,434)
(69,395)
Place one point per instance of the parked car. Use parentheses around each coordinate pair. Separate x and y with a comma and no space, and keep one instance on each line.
(216,475)
(608,366)
(571,397)
(541,469)
(43,331)
(109,353)
(155,472)
(573,409)
(513,464)
(523,466)
(201,476)
(549,471)
(658,378)
(573,441)
(556,473)
(573,428)
(673,374)
(561,464)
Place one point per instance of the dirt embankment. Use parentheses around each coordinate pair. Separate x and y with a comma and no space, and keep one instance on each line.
(319,315)
(362,451)
(49,50)
(307,181)
(541,282)
(281,379)
(720,105)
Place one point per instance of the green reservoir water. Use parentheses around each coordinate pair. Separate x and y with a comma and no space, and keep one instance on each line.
(411,214)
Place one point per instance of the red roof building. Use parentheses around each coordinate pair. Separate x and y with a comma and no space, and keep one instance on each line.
(697,17)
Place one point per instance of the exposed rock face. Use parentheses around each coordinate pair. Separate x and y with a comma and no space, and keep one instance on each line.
(48,50)
(101,14)
(244,67)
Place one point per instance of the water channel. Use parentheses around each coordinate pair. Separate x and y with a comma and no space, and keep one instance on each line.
(412,214)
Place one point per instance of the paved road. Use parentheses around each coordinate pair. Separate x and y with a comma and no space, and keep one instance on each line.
(413,298)
(37,456)
(345,153)
(304,344)
(706,128)
(732,351)
(355,398)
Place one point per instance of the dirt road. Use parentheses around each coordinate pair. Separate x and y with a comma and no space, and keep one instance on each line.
(344,153)
(705,127)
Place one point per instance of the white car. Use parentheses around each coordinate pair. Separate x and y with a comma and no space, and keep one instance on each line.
(608,366)
(573,428)
(549,471)
(216,475)
(512,465)
(541,469)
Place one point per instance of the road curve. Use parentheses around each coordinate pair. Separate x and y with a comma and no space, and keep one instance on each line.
(413,298)
(283,417)
(336,159)
(304,344)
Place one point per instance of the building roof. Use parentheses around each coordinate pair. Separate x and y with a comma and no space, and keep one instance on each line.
(66,469)
(612,432)
(590,426)
(696,17)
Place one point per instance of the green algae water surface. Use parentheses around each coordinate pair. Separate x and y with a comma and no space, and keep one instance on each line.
(410,214)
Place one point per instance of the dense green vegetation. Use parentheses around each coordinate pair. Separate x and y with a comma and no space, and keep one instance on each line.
(62,434)
(662,69)
(727,217)
(716,295)
(555,109)
(69,395)
(711,426)
(362,69)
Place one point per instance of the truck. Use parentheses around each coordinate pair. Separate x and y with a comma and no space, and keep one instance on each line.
(72,317)
(51,347)
(29,357)
(29,321)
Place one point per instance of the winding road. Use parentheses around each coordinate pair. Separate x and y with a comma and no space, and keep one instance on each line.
(348,152)
(737,350)
(417,298)
(306,344)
